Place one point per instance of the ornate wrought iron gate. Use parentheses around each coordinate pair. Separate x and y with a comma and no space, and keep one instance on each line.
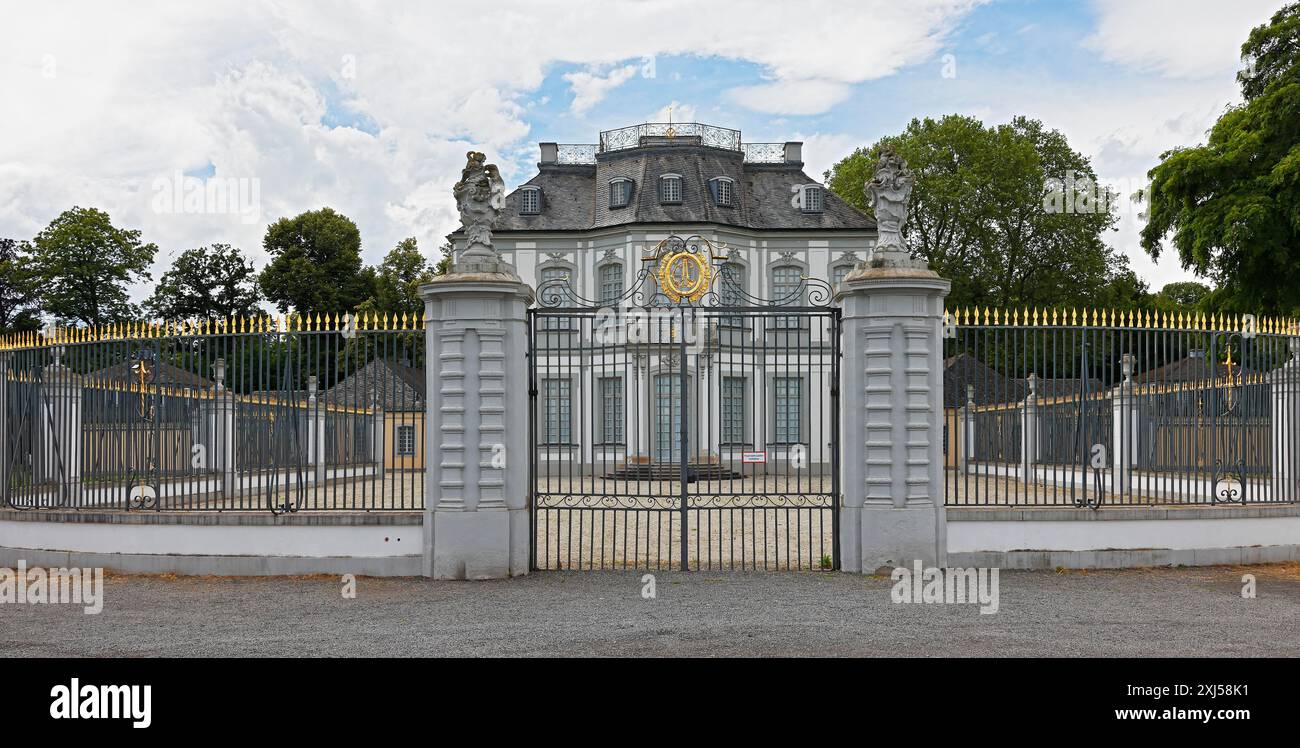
(670,434)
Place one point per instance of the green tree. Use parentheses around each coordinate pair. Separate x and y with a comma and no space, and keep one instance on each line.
(81,265)
(315,265)
(1183,296)
(17,295)
(214,282)
(398,279)
(1010,214)
(444,260)
(1231,207)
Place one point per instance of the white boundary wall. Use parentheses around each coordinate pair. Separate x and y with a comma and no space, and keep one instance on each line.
(1128,537)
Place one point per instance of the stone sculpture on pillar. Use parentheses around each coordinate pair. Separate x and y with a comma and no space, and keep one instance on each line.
(480,195)
(891,403)
(888,192)
(476,523)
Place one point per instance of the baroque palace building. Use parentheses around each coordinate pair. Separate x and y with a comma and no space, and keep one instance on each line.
(588,221)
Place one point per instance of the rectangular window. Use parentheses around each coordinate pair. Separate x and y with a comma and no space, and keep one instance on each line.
(812,199)
(788,405)
(611,410)
(620,193)
(787,284)
(557,412)
(530,201)
(724,192)
(405,441)
(668,417)
(671,190)
(733,410)
(611,283)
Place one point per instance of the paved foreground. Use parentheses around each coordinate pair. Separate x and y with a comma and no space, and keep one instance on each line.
(1137,612)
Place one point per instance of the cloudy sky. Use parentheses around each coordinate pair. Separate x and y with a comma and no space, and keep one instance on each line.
(369,106)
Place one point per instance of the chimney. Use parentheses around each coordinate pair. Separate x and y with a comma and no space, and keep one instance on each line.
(550,152)
(794,153)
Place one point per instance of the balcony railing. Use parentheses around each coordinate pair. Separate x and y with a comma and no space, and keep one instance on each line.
(634,136)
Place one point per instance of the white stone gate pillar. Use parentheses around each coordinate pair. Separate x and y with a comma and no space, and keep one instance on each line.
(1285,386)
(476,521)
(891,405)
(891,416)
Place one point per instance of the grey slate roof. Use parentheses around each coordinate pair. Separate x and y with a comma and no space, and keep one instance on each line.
(392,385)
(576,197)
(992,388)
(1193,368)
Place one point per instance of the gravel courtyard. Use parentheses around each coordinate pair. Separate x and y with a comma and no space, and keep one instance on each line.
(1162,612)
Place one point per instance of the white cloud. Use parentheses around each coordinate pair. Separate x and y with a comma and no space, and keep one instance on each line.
(590,88)
(822,150)
(142,90)
(1177,38)
(791,96)
(674,112)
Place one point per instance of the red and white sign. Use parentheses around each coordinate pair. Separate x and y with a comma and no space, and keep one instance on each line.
(754,457)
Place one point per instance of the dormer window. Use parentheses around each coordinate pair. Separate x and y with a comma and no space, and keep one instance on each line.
(670,188)
(812,198)
(723,189)
(620,192)
(530,201)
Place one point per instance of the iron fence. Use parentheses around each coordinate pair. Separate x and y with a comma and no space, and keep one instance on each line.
(1120,408)
(283,415)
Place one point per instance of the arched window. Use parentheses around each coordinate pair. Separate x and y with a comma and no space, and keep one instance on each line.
(670,188)
(556,282)
(723,190)
(530,201)
(839,273)
(610,278)
(620,192)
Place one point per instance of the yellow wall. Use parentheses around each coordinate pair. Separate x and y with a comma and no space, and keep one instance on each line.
(403,462)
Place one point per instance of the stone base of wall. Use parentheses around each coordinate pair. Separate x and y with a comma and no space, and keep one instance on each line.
(226,544)
(1122,537)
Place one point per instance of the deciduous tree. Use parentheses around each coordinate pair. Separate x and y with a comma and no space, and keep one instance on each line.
(1231,208)
(81,265)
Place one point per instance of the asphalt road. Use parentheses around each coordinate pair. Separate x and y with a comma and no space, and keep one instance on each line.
(1195,611)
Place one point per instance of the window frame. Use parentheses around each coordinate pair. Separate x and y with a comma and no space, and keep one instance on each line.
(810,189)
(559,323)
(798,420)
(792,322)
(846,267)
(619,421)
(601,269)
(525,193)
(400,433)
(726,398)
(564,412)
(716,188)
(625,187)
(664,180)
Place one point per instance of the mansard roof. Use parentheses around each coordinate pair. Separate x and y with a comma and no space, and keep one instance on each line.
(575,190)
